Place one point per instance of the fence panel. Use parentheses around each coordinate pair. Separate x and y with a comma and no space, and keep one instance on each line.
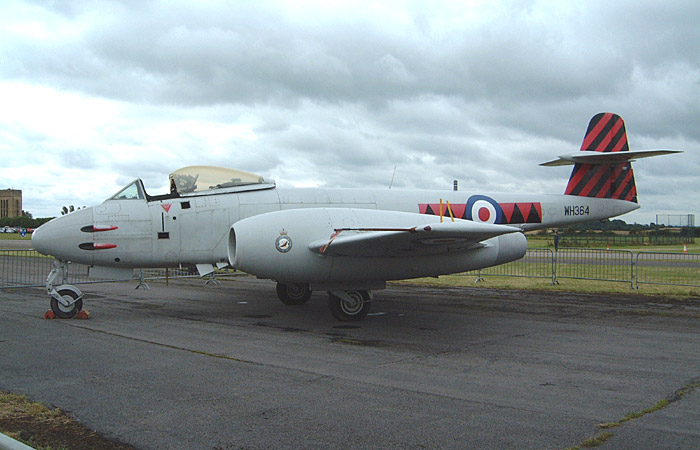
(680,269)
(595,264)
(29,268)
(537,263)
(23,268)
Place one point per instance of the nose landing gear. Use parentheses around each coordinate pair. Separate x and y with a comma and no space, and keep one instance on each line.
(66,299)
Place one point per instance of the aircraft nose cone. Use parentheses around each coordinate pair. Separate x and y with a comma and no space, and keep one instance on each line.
(40,238)
(61,236)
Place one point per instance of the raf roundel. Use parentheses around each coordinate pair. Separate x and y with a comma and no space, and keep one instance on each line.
(481,208)
(283,244)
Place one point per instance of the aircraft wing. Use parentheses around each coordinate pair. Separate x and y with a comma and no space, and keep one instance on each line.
(428,239)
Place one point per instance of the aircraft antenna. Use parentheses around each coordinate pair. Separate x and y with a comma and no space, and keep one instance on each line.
(392,177)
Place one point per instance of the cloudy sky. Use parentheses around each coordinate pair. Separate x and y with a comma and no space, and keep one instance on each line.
(336,94)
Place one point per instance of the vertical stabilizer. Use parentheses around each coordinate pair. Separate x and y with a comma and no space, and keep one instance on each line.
(606,133)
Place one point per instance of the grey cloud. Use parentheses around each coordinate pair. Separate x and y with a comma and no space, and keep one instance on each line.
(186,55)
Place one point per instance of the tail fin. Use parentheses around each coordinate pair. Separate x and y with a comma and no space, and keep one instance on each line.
(606,133)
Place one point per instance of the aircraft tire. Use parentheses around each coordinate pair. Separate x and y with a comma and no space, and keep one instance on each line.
(63,312)
(293,293)
(353,309)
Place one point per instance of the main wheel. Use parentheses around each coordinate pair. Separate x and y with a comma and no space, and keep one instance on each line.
(293,293)
(354,307)
(66,312)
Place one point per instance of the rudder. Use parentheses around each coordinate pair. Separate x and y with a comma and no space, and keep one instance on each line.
(606,133)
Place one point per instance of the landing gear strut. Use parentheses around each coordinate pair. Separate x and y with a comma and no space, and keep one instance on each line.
(349,306)
(293,293)
(66,299)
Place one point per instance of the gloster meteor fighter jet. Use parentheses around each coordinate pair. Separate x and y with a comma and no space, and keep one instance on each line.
(346,242)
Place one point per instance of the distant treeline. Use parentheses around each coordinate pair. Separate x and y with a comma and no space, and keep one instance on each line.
(608,226)
(607,239)
(617,232)
(24,221)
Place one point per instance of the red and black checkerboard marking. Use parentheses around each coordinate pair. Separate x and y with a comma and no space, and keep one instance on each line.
(606,133)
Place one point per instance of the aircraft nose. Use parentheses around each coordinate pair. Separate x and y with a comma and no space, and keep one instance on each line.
(40,240)
(61,236)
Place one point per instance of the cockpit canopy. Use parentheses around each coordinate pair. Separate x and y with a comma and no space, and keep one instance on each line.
(195,179)
(207,178)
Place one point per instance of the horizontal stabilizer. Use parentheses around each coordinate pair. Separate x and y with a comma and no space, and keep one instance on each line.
(424,239)
(607,158)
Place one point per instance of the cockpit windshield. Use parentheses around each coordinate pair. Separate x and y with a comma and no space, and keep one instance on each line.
(207,178)
(134,191)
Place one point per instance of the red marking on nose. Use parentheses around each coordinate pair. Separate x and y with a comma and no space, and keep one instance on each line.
(97,229)
(96,246)
(104,246)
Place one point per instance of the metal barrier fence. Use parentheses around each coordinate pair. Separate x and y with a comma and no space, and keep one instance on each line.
(537,263)
(678,269)
(28,268)
(595,264)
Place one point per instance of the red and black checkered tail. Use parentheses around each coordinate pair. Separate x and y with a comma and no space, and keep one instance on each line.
(606,133)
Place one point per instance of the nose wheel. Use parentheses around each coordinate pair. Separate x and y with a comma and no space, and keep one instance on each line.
(66,299)
(349,306)
(66,302)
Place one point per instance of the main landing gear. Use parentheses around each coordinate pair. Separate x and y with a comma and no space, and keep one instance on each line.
(66,299)
(293,293)
(346,306)
(349,306)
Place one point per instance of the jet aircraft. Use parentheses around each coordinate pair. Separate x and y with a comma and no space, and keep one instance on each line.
(347,242)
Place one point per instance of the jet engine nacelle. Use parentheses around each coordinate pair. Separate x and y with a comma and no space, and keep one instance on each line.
(276,245)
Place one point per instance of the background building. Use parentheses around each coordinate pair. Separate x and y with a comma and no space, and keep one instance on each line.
(10,203)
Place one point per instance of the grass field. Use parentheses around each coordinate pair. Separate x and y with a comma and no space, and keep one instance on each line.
(539,276)
(15,237)
(44,428)
(565,285)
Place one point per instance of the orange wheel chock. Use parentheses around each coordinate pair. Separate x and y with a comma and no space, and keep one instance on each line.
(49,315)
(84,314)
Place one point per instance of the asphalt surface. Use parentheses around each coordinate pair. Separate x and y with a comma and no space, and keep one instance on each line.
(22,244)
(227,367)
